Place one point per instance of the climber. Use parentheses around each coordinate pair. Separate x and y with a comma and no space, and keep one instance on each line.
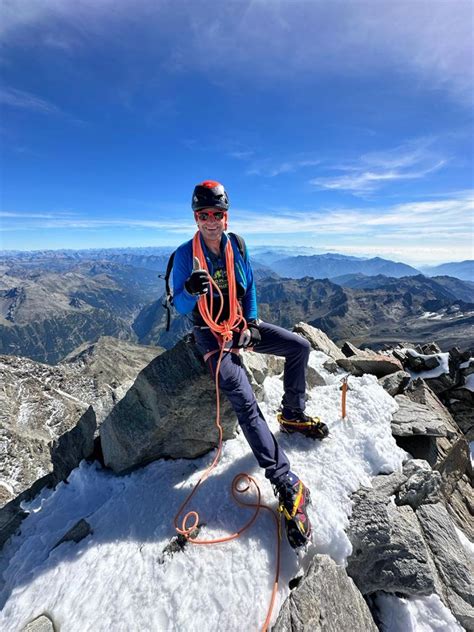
(210,204)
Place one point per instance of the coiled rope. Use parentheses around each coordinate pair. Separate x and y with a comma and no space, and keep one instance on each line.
(243,482)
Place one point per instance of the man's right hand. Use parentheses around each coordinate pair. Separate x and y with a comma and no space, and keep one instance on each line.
(198,282)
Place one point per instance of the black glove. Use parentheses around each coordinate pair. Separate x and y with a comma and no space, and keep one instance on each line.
(197,283)
(250,336)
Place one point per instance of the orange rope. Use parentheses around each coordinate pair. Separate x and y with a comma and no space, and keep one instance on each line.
(224,332)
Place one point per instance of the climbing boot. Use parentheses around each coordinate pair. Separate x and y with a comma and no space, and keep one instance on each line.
(294,498)
(298,421)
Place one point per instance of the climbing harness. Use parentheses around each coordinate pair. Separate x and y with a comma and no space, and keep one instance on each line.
(243,482)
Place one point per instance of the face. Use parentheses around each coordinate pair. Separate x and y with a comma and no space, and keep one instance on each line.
(211,227)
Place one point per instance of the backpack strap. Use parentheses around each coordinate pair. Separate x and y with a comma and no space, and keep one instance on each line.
(241,244)
(169,293)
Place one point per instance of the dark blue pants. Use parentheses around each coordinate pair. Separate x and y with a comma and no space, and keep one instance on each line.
(234,383)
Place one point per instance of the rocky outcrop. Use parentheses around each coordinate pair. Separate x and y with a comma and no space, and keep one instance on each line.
(169,412)
(454,568)
(41,624)
(326,600)
(395,383)
(370,362)
(389,552)
(318,340)
(76,533)
(414,419)
(404,541)
(49,416)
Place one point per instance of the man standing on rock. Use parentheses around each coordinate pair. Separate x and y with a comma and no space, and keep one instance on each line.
(210,204)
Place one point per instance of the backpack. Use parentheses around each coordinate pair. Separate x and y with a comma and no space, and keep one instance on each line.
(169,294)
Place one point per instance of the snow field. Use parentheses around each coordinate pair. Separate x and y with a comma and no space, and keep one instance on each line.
(119,579)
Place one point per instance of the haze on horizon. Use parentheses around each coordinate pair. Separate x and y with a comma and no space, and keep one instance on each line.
(342,126)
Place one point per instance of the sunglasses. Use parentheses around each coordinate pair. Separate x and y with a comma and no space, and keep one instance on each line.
(203,216)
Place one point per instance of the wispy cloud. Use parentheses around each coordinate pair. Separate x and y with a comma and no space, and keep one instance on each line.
(375,169)
(429,42)
(271,168)
(26,100)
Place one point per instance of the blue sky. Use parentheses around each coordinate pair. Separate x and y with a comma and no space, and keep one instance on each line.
(346,126)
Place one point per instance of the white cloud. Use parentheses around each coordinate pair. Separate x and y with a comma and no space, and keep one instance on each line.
(373,170)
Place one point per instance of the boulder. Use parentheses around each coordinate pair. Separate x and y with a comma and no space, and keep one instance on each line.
(331,366)
(395,383)
(259,366)
(40,624)
(419,363)
(454,567)
(318,340)
(168,413)
(370,362)
(413,418)
(389,552)
(314,378)
(441,384)
(326,600)
(430,348)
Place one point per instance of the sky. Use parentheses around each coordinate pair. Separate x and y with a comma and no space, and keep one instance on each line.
(342,125)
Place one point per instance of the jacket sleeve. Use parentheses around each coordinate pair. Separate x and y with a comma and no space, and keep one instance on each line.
(249,301)
(182,268)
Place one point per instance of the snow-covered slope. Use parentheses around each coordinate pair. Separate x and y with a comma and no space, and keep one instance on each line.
(119,578)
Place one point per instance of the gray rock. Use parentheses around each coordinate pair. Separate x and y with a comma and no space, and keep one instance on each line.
(370,362)
(422,487)
(454,567)
(430,348)
(318,340)
(258,367)
(419,363)
(168,413)
(440,384)
(413,418)
(40,624)
(389,552)
(395,383)
(462,412)
(326,600)
(461,505)
(77,533)
(313,378)
(464,394)
(331,366)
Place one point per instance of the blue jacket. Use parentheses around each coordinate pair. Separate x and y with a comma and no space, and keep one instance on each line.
(183,266)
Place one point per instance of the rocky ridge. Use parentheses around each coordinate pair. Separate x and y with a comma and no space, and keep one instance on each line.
(401,529)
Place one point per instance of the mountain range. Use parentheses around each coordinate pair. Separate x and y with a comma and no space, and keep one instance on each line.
(51,302)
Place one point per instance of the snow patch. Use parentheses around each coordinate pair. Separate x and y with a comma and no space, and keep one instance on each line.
(421,614)
(118,578)
(467,544)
